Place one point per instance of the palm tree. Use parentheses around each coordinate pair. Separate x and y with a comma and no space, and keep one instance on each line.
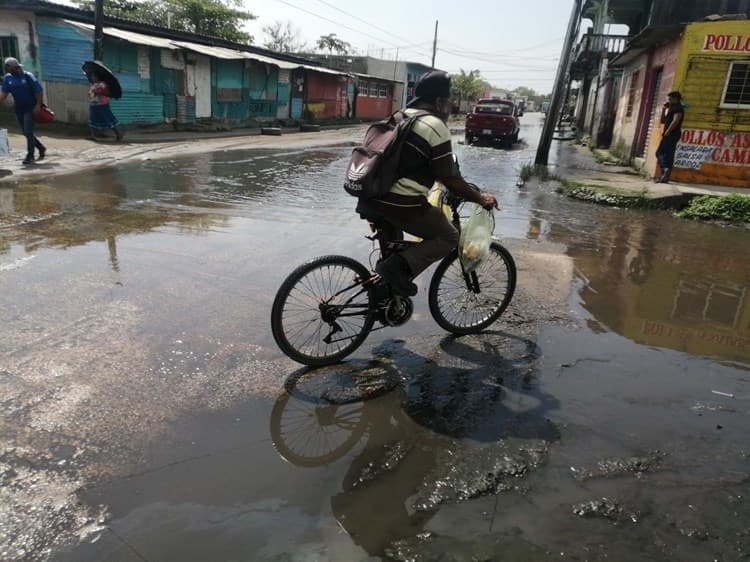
(332,43)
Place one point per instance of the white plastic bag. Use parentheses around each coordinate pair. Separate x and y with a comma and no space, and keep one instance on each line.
(475,239)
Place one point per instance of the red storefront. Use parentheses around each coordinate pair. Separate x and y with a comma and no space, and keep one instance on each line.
(374,98)
(325,94)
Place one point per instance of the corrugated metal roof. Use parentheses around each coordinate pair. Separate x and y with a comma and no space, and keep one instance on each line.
(232,54)
(321,69)
(208,50)
(130,36)
(374,77)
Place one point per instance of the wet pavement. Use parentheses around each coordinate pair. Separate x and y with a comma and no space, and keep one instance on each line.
(147,414)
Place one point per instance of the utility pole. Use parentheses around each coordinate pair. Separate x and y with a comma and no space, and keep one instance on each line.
(98,29)
(542,151)
(434,45)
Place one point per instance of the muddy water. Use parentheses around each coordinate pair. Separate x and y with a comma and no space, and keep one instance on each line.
(136,304)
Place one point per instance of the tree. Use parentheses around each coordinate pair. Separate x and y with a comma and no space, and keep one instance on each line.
(332,43)
(282,37)
(531,95)
(467,86)
(127,9)
(217,18)
(211,17)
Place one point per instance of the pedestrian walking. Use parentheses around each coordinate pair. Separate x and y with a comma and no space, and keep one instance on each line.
(27,99)
(672,117)
(100,114)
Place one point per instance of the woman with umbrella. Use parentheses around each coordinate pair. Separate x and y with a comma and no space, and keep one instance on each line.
(100,114)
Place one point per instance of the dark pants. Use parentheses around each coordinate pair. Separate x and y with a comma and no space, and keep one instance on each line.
(417,217)
(26,121)
(665,151)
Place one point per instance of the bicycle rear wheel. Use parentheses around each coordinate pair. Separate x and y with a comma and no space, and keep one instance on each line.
(322,311)
(464,303)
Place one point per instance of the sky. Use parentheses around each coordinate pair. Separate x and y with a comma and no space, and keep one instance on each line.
(511,42)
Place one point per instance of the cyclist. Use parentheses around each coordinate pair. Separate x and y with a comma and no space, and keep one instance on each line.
(427,156)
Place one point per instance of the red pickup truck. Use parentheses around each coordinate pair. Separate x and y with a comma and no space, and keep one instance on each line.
(493,120)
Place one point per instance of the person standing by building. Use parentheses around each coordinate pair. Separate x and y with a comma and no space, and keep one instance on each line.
(672,118)
(100,115)
(27,98)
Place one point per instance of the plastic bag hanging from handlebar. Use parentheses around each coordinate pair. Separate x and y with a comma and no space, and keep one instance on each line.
(475,239)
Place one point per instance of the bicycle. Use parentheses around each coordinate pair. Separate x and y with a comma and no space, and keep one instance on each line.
(326,307)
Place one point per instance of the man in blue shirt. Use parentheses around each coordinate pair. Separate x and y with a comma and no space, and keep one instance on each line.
(27,98)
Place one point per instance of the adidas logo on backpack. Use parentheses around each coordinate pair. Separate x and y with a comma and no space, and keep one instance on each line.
(373,167)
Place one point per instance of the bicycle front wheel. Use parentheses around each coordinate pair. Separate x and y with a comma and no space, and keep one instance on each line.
(322,312)
(466,303)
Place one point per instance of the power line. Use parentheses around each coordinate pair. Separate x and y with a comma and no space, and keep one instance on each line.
(491,61)
(457,48)
(332,21)
(380,39)
(474,54)
(360,19)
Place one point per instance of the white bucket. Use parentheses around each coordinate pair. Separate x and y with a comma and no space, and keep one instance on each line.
(4,145)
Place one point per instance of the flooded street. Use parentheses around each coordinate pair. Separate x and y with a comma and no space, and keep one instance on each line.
(148,414)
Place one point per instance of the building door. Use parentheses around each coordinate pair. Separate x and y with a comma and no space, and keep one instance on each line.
(655,103)
(282,95)
(298,93)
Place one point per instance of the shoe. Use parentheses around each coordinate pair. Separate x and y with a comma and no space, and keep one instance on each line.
(42,152)
(29,159)
(396,272)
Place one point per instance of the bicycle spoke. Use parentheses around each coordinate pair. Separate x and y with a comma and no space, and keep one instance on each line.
(325,301)
(457,307)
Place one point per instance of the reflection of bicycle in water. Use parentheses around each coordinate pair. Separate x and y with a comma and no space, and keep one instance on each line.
(396,445)
(323,415)
(327,307)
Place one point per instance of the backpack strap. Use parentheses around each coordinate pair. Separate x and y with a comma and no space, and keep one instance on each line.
(407,121)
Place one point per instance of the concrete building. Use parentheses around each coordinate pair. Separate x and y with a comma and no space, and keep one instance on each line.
(700,47)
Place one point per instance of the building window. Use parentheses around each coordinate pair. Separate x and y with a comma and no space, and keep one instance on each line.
(228,95)
(631,94)
(363,88)
(382,91)
(8,47)
(373,89)
(737,87)
(701,301)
